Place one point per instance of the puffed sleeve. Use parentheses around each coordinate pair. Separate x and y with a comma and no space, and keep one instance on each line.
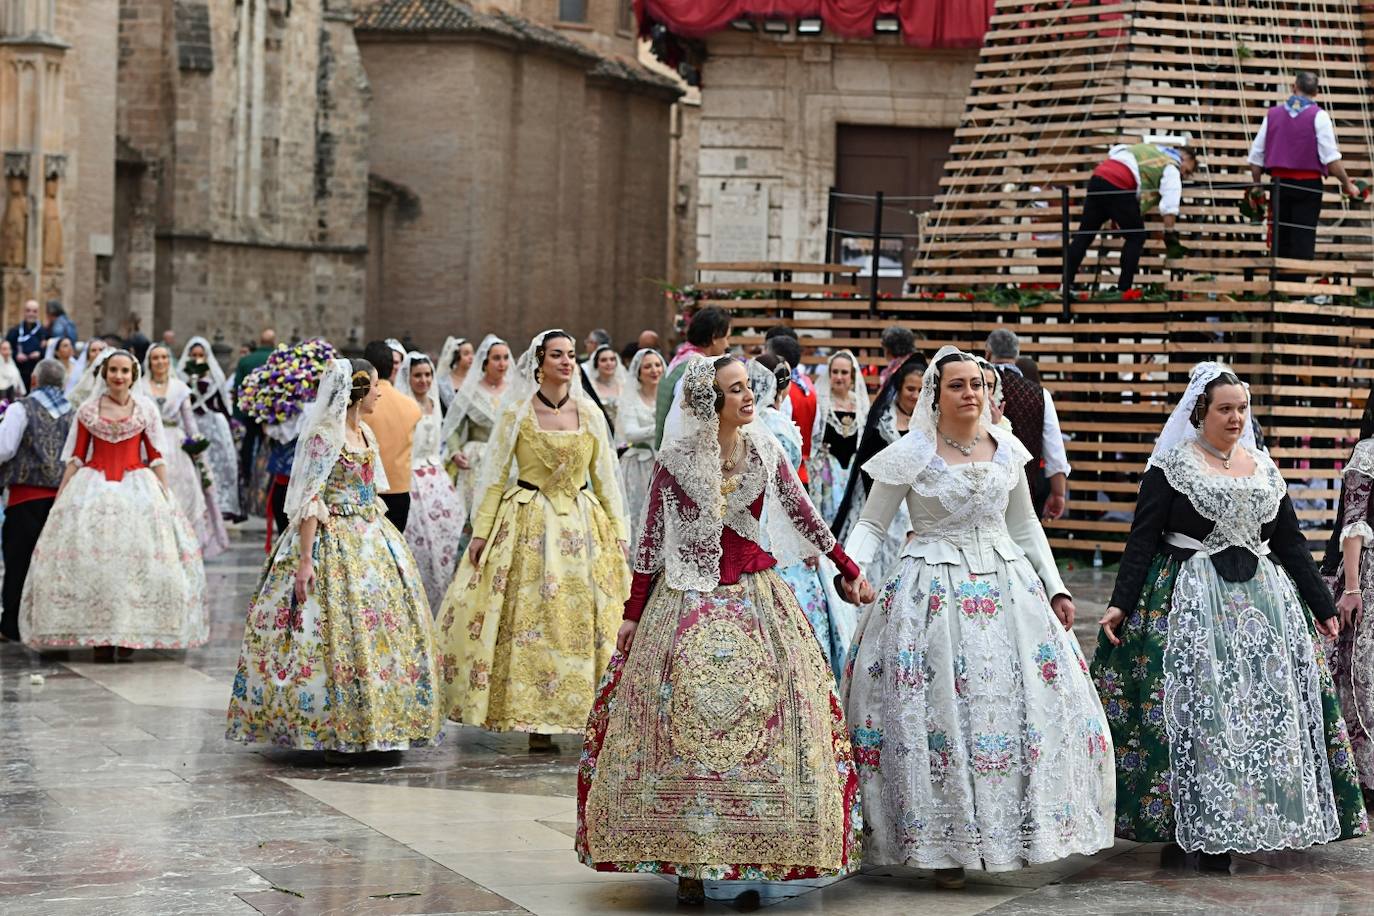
(484,519)
(1289,545)
(1026,531)
(1355,490)
(1151,514)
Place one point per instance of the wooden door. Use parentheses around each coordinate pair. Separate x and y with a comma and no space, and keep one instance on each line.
(905,163)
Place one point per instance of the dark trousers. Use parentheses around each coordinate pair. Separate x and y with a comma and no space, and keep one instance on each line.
(23,524)
(397,509)
(276,505)
(1299,212)
(1105,201)
(248,453)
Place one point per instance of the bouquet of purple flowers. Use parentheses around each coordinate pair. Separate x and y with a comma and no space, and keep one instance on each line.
(278,390)
(194,445)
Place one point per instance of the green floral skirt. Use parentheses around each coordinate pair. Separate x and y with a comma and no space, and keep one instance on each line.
(1236,632)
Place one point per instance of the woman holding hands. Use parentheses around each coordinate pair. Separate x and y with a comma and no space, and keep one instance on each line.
(1228,731)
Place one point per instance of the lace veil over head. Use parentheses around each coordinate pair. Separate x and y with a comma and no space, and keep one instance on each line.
(218,383)
(461,404)
(629,393)
(517,403)
(322,439)
(904,460)
(403,378)
(1179,427)
(620,378)
(685,543)
(447,354)
(825,403)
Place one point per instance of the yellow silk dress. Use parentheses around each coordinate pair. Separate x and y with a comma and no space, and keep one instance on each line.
(528,632)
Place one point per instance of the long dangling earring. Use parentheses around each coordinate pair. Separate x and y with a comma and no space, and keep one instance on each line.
(538,375)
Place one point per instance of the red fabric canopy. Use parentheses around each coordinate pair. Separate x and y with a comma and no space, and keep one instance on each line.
(925,23)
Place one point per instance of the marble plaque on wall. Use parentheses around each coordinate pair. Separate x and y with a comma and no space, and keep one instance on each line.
(739,221)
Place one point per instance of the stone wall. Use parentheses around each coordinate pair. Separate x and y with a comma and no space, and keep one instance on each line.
(769,110)
(57,64)
(243,133)
(553,212)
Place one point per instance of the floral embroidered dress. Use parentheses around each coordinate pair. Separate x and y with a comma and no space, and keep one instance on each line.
(352,667)
(979,738)
(1351,655)
(117,564)
(196,498)
(717,749)
(528,631)
(1227,729)
(434,529)
(831,617)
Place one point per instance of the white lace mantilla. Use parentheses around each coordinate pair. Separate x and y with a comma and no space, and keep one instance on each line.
(1238,507)
(1362,458)
(974,494)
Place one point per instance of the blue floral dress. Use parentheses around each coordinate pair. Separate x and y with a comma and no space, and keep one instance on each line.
(352,667)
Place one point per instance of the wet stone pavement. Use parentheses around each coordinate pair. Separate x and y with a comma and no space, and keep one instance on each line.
(119,795)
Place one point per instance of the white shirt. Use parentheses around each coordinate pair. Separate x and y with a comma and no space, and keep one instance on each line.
(12,427)
(1327,151)
(1170,183)
(1051,436)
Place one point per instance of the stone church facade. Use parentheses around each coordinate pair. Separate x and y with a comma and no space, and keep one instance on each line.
(323,166)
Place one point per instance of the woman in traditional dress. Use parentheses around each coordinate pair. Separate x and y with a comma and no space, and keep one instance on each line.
(471,417)
(191,482)
(455,359)
(997,399)
(337,653)
(90,352)
(529,621)
(635,421)
(609,379)
(1349,573)
(717,749)
(841,413)
(11,382)
(199,369)
(64,351)
(1225,719)
(980,741)
(435,528)
(888,422)
(831,618)
(117,564)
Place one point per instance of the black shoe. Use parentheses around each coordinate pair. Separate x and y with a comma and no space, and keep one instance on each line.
(691,892)
(1172,856)
(1214,861)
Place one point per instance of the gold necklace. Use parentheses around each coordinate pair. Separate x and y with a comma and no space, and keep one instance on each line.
(729,483)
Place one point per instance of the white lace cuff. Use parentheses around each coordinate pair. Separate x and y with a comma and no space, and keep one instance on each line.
(76,461)
(315,509)
(156,462)
(1359,530)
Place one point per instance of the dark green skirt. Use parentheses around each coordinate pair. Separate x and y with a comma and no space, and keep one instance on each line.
(1130,681)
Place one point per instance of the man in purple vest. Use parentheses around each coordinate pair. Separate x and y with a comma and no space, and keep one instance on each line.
(1296,144)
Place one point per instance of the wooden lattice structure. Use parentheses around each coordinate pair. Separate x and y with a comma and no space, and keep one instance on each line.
(1056,86)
